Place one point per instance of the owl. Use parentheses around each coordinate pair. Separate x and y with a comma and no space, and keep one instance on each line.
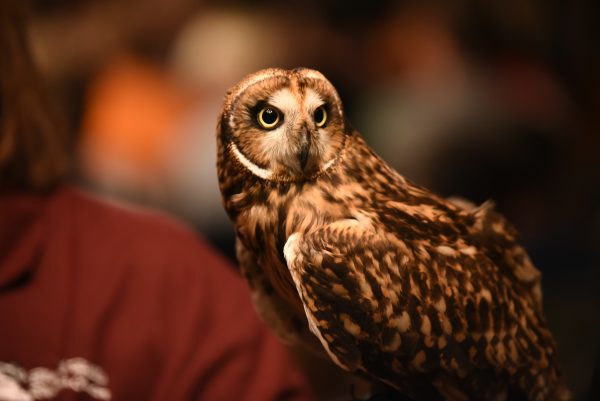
(344,256)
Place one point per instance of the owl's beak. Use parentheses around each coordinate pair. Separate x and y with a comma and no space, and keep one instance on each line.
(304,147)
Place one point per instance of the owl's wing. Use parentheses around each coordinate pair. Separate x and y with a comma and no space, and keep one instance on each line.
(499,237)
(272,309)
(379,305)
(342,289)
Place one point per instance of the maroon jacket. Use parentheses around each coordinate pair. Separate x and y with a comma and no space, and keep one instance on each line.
(100,302)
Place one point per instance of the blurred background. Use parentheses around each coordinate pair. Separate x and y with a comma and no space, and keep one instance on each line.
(495,99)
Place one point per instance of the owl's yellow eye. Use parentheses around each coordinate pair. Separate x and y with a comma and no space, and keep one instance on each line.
(268,117)
(320,116)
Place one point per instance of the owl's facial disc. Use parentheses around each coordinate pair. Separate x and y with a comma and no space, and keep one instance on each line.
(297,145)
(291,129)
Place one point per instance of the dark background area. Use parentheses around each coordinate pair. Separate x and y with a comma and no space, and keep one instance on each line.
(496,99)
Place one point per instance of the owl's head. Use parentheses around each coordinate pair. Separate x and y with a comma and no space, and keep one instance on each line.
(283,125)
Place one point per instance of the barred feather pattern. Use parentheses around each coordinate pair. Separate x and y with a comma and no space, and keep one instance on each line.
(434,299)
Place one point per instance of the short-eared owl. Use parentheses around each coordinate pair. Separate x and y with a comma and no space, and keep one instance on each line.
(344,255)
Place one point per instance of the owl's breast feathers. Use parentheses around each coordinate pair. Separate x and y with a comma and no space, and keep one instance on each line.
(434,299)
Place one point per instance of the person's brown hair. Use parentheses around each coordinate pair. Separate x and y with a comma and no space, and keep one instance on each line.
(33,156)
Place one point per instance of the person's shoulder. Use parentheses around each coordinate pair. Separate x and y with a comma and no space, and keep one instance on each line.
(141,234)
(118,216)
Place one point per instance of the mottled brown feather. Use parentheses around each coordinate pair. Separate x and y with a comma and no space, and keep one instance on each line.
(433,298)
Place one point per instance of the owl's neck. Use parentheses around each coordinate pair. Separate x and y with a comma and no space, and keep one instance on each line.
(347,183)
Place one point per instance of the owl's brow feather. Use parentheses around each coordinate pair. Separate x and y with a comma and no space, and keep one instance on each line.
(274,73)
(235,95)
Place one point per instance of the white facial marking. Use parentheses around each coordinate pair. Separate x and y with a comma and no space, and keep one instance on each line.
(312,100)
(317,75)
(256,170)
(285,101)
